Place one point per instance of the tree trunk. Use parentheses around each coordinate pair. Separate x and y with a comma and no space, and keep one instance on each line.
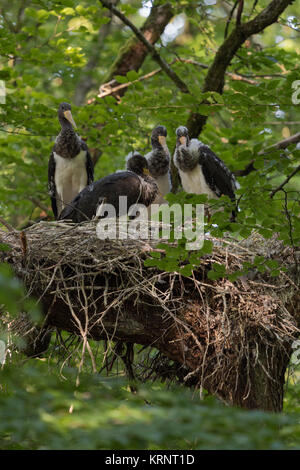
(133,54)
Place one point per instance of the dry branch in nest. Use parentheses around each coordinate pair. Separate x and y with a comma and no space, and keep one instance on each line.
(233,339)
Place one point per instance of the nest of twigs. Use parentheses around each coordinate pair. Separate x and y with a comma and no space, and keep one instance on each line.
(207,332)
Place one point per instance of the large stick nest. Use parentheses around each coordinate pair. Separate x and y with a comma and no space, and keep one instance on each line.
(213,329)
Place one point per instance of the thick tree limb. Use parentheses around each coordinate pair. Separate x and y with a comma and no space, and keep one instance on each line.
(223,334)
(107,89)
(133,54)
(149,47)
(214,80)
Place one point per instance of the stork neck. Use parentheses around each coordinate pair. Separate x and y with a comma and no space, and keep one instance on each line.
(186,159)
(67,143)
(156,145)
(65,124)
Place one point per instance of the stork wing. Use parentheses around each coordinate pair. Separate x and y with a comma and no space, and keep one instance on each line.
(218,176)
(69,211)
(89,163)
(51,183)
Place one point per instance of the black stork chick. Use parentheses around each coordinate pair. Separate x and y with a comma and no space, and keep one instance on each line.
(135,183)
(70,167)
(159,162)
(201,171)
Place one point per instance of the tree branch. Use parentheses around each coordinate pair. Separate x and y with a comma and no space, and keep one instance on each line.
(107,89)
(285,181)
(214,80)
(9,227)
(283,144)
(245,171)
(150,48)
(86,80)
(133,54)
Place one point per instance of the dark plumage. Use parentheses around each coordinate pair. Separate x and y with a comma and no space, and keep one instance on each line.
(159,162)
(70,166)
(159,157)
(135,183)
(201,171)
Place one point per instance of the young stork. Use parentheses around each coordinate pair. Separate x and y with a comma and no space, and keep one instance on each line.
(201,171)
(70,167)
(135,183)
(159,162)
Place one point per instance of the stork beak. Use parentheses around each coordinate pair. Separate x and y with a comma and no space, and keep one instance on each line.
(162,140)
(182,140)
(146,171)
(69,117)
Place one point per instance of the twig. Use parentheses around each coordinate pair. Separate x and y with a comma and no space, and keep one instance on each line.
(245,171)
(254,6)
(39,204)
(229,18)
(285,181)
(106,90)
(239,12)
(7,225)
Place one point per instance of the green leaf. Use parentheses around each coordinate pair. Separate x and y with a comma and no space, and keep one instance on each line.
(213,275)
(121,79)
(132,75)
(68,11)
(80,22)
(4,247)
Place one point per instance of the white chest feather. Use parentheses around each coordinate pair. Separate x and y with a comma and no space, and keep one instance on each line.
(70,176)
(194,182)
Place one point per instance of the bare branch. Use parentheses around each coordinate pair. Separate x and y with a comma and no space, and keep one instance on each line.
(40,204)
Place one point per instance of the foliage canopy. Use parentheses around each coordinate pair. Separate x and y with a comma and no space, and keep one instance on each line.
(50,50)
